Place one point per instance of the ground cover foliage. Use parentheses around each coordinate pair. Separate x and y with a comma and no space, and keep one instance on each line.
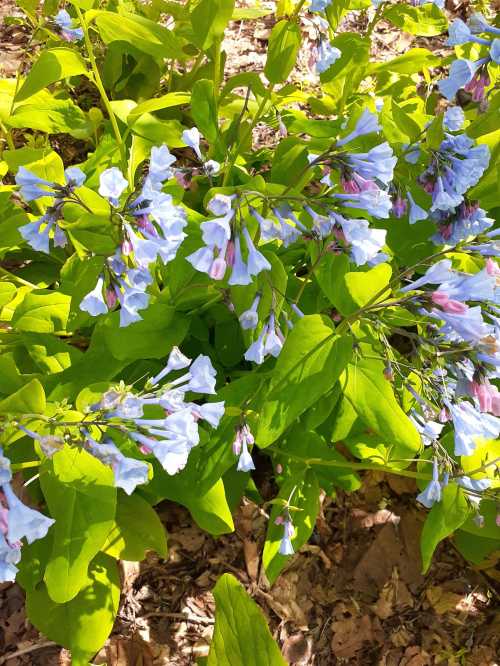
(176,299)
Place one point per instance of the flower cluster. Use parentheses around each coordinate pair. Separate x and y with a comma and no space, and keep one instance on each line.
(152,228)
(170,436)
(470,75)
(39,232)
(17,522)
(462,310)
(223,246)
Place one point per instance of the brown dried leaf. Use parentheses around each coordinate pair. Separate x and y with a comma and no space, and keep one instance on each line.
(350,635)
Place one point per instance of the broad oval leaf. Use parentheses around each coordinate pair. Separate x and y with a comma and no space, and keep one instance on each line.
(310,363)
(373,399)
(52,65)
(137,529)
(82,499)
(82,624)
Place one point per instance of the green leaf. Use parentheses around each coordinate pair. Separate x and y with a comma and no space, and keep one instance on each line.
(284,44)
(204,109)
(410,62)
(306,444)
(241,636)
(153,337)
(311,361)
(29,399)
(50,115)
(363,286)
(209,19)
(372,397)
(42,311)
(137,529)
(426,20)
(7,293)
(82,499)
(435,133)
(156,104)
(141,33)
(443,519)
(211,510)
(304,493)
(474,548)
(405,122)
(289,162)
(349,70)
(83,624)
(52,65)
(49,353)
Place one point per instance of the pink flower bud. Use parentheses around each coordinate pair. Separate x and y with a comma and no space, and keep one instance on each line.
(230,253)
(218,269)
(110,297)
(127,248)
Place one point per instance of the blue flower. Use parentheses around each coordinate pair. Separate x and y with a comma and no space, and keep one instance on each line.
(10,555)
(31,186)
(241,441)
(461,73)
(415,212)
(128,472)
(495,51)
(23,521)
(64,21)
(176,361)
(327,55)
(131,301)
(160,161)
(5,471)
(454,118)
(319,5)
(250,318)
(74,177)
(94,302)
(477,24)
(365,243)
(468,327)
(112,184)
(286,547)
(376,202)
(256,261)
(470,425)
(378,163)
(436,274)
(432,492)
(366,124)
(37,233)
(191,138)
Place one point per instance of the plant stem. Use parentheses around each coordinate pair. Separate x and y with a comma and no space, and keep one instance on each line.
(16,278)
(297,9)
(247,133)
(351,465)
(16,467)
(8,136)
(96,78)
(217,62)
